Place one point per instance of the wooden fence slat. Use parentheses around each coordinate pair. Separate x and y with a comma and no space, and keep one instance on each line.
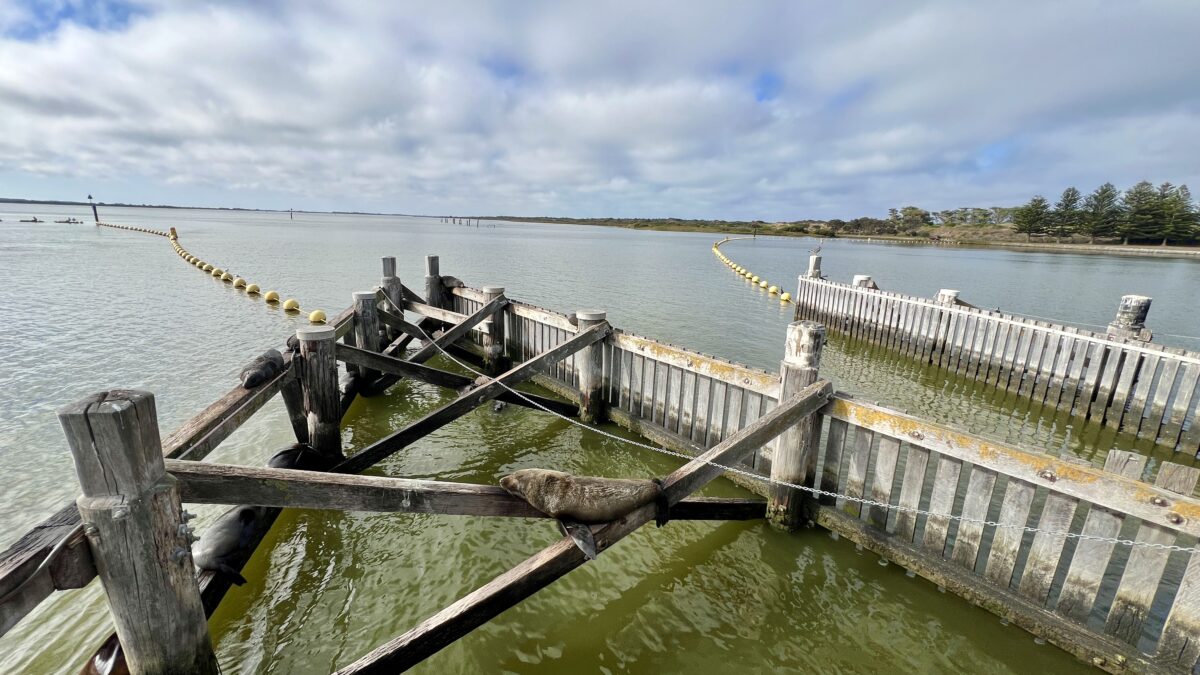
(941,503)
(1162,394)
(1123,390)
(856,469)
(975,507)
(1092,555)
(910,491)
(831,466)
(1189,375)
(1047,546)
(1179,644)
(1145,567)
(881,484)
(1006,543)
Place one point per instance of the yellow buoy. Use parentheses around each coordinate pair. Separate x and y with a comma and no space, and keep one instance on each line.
(207,267)
(773,290)
(252,289)
(762,283)
(271,296)
(316,316)
(217,272)
(227,277)
(291,305)
(754,278)
(786,297)
(239,283)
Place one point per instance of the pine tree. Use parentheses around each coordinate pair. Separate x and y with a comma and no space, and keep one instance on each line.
(1033,217)
(1064,221)
(1101,213)
(1143,213)
(1177,212)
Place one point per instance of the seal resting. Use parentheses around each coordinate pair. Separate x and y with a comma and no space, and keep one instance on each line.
(261,369)
(302,457)
(586,499)
(227,540)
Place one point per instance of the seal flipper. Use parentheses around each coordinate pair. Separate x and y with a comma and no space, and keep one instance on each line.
(580,534)
(238,579)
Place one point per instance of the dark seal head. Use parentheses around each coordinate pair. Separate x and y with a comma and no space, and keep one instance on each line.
(586,499)
(302,457)
(261,369)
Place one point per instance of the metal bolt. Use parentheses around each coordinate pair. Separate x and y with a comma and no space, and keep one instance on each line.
(120,512)
(91,530)
(183,530)
(1047,474)
(916,435)
(1174,518)
(179,554)
(1120,658)
(187,517)
(1099,661)
(1158,501)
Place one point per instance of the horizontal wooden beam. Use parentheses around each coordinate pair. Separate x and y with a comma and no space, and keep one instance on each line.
(1102,488)
(550,564)
(759,381)
(544,316)
(435,420)
(207,483)
(25,582)
(443,315)
(481,320)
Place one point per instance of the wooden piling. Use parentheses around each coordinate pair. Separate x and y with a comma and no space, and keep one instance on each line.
(814,266)
(797,446)
(590,362)
(1130,322)
(319,380)
(366,329)
(494,358)
(433,282)
(393,289)
(133,522)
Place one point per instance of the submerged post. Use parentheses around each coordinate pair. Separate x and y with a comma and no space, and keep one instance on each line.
(134,524)
(433,282)
(366,329)
(319,379)
(1130,322)
(591,369)
(796,449)
(494,361)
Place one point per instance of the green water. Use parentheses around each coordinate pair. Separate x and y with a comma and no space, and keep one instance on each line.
(90,308)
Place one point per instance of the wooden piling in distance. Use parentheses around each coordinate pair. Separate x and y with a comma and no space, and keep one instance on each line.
(366,329)
(494,359)
(814,266)
(433,282)
(319,380)
(590,363)
(796,448)
(134,524)
(1130,322)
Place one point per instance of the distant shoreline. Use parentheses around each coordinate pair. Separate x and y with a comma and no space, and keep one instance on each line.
(715,227)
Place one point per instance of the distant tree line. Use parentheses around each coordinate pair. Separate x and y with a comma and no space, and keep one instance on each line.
(1163,214)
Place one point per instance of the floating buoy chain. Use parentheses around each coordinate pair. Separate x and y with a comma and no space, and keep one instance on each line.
(743,272)
(290,305)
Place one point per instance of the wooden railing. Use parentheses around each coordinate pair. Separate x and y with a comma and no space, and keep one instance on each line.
(1142,388)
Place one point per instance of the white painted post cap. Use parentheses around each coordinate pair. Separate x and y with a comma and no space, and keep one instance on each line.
(314,333)
(591,315)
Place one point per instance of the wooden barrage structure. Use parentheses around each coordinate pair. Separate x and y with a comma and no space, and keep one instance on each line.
(1029,536)
(1117,377)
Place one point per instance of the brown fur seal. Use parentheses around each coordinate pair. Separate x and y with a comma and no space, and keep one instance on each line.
(227,539)
(302,457)
(261,369)
(585,499)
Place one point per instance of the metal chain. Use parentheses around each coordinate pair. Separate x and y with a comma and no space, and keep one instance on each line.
(812,490)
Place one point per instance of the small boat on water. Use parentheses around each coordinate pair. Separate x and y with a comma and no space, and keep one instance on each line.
(32,220)
(70,221)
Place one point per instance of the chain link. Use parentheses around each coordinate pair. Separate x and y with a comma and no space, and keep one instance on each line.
(812,490)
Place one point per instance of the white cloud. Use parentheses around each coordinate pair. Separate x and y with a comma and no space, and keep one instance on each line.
(615,109)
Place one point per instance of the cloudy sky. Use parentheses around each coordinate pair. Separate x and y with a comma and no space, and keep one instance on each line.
(734,110)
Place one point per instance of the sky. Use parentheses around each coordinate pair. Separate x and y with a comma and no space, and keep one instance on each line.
(692,109)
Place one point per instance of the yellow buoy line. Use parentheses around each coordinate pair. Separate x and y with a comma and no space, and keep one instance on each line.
(290,305)
(747,274)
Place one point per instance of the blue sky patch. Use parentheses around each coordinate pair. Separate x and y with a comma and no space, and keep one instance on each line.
(44,18)
(767,86)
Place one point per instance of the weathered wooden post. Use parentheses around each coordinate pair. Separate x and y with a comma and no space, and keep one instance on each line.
(814,266)
(494,361)
(134,525)
(319,380)
(591,369)
(433,282)
(947,297)
(864,281)
(393,290)
(366,329)
(796,448)
(1130,322)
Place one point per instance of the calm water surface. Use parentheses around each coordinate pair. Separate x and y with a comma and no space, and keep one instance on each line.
(92,308)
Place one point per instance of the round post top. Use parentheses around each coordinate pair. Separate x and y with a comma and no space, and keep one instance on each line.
(314,333)
(362,296)
(591,315)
